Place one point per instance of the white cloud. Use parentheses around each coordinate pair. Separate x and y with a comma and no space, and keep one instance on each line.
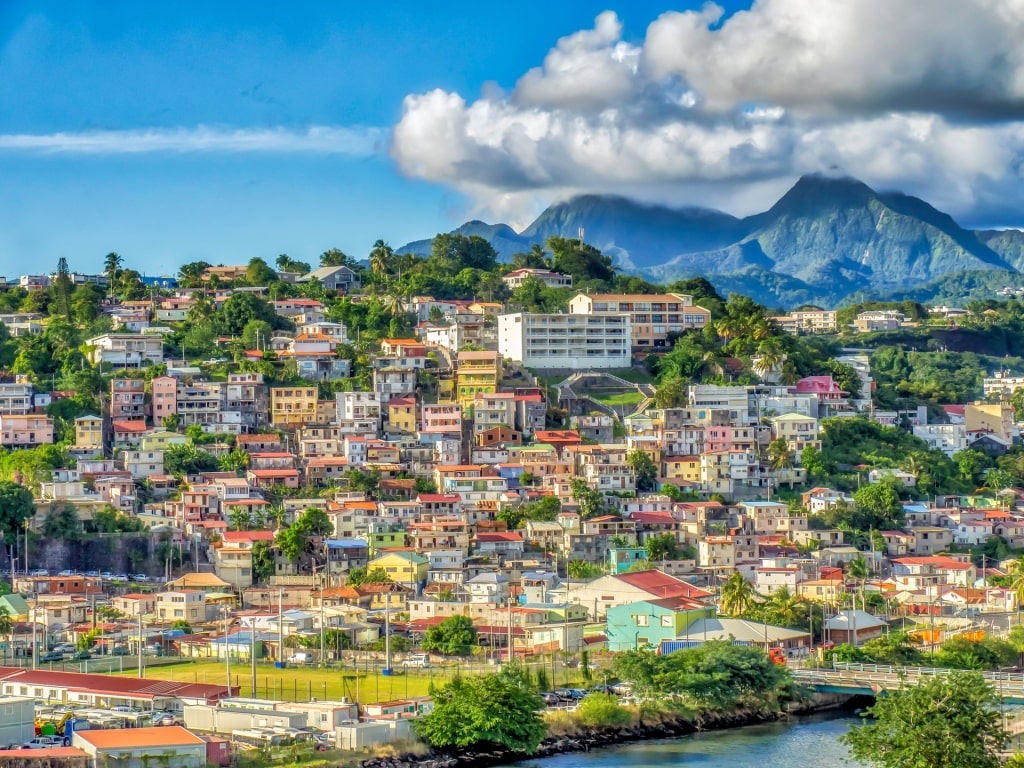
(922,96)
(317,140)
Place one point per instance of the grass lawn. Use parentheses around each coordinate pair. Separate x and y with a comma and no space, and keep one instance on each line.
(617,398)
(634,375)
(305,683)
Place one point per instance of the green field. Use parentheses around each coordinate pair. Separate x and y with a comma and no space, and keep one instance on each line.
(617,398)
(368,686)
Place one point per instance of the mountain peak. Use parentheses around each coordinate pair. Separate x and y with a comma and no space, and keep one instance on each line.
(816,190)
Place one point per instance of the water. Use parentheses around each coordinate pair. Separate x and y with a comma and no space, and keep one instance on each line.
(799,743)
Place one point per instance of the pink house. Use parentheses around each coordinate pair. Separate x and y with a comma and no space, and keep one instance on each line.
(824,387)
(20,431)
(165,397)
(268,478)
(729,438)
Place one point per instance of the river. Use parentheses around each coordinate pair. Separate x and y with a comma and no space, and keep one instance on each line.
(798,743)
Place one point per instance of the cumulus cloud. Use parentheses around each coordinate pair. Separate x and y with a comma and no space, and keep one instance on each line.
(923,96)
(318,140)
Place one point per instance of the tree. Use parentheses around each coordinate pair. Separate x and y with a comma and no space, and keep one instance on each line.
(181,460)
(335,258)
(182,626)
(363,575)
(780,457)
(258,272)
(381,256)
(15,508)
(590,502)
(581,569)
(256,334)
(878,507)
(485,711)
(737,595)
(61,522)
(584,262)
(262,562)
(291,541)
(662,546)
(112,264)
(645,470)
(455,636)
(948,721)
(671,392)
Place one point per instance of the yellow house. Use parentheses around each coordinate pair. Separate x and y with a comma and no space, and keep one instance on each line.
(402,415)
(826,591)
(686,468)
(161,441)
(403,567)
(797,430)
(89,433)
(990,417)
(293,406)
(478,372)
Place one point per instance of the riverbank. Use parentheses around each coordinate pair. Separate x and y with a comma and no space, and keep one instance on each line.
(582,740)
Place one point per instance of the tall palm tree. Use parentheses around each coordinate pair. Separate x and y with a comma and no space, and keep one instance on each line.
(780,457)
(1017,584)
(858,570)
(6,623)
(737,595)
(790,609)
(769,357)
(111,266)
(380,259)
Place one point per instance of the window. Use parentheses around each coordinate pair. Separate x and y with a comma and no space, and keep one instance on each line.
(641,621)
(666,621)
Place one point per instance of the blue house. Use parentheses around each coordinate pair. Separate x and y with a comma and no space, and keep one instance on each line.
(647,623)
(621,559)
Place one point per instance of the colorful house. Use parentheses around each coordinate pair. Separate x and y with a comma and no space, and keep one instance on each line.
(649,622)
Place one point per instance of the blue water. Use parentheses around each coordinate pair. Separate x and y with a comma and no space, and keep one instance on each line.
(798,743)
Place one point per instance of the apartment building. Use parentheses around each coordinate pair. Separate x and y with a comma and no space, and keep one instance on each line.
(798,431)
(164,401)
(652,317)
(25,431)
(808,321)
(517,277)
(477,373)
(879,320)
(498,409)
(125,350)
(127,399)
(199,403)
(358,406)
(16,397)
(440,419)
(570,341)
(292,407)
(246,395)
(89,434)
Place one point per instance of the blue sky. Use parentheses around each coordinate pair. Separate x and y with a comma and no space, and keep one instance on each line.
(74,68)
(222,131)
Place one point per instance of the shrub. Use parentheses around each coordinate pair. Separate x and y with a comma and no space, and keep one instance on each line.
(602,710)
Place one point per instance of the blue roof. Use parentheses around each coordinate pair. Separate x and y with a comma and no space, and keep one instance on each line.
(345,543)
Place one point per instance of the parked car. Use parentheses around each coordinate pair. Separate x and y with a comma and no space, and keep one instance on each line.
(64,648)
(66,573)
(91,574)
(106,575)
(82,655)
(39,572)
(166,720)
(420,660)
(51,656)
(120,577)
(44,742)
(299,658)
(141,577)
(622,689)
(120,650)
(551,699)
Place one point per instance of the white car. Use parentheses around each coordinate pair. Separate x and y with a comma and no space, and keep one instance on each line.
(40,572)
(420,660)
(66,573)
(140,577)
(44,742)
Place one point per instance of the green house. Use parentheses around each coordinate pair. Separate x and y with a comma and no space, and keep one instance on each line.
(385,536)
(621,559)
(647,622)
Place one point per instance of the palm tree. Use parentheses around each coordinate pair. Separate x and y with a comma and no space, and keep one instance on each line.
(780,457)
(769,357)
(111,266)
(737,595)
(791,610)
(6,623)
(380,259)
(1017,584)
(857,569)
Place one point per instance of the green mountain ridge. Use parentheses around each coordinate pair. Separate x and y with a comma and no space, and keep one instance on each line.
(823,241)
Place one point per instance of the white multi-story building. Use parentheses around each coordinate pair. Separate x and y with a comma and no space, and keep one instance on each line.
(358,406)
(652,317)
(16,397)
(125,350)
(517,277)
(574,341)
(948,438)
(1002,383)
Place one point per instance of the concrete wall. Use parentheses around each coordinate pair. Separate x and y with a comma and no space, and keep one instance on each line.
(225,720)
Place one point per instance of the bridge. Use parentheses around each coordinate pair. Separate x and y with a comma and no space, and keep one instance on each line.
(872,679)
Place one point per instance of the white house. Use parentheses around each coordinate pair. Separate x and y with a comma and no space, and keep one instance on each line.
(573,341)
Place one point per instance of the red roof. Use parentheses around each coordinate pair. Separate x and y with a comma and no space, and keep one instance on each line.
(129,425)
(240,536)
(127,687)
(274,472)
(496,537)
(438,497)
(661,584)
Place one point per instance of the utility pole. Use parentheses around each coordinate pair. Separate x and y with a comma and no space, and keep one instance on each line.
(387,633)
(280,625)
(252,657)
(142,672)
(227,649)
